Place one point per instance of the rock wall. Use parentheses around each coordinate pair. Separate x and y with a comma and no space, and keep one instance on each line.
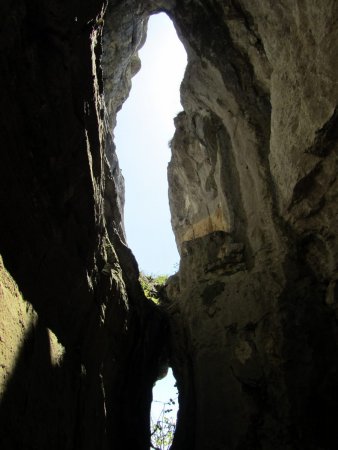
(62,240)
(253,195)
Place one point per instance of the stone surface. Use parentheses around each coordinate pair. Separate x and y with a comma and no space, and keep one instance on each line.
(62,241)
(253,193)
(35,374)
(256,142)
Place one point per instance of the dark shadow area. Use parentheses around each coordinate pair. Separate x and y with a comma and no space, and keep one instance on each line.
(311,356)
(186,417)
(37,410)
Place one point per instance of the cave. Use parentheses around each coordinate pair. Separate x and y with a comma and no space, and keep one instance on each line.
(249,321)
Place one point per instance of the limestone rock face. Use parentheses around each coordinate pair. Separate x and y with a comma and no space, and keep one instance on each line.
(34,374)
(62,241)
(253,195)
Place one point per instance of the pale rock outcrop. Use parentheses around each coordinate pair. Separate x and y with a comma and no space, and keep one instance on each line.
(254,302)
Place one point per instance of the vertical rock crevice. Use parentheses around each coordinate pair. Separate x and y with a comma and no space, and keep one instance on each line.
(253,194)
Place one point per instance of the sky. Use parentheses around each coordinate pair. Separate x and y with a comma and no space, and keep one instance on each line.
(163,391)
(144,128)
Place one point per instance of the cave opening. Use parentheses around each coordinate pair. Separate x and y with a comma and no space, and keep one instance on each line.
(164,411)
(144,128)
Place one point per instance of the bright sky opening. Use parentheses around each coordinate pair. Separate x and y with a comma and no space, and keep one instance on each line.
(144,127)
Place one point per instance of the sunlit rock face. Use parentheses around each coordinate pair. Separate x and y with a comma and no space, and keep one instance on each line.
(253,195)
(34,374)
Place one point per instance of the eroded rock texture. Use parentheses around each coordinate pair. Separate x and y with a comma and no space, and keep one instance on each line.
(254,208)
(62,240)
(253,194)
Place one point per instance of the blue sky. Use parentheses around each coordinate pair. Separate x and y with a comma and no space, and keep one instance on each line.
(144,127)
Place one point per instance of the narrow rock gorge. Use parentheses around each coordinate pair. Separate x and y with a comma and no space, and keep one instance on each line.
(249,322)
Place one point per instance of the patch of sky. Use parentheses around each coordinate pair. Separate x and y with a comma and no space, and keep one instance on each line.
(144,127)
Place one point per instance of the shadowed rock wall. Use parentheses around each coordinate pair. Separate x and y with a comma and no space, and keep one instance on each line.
(62,240)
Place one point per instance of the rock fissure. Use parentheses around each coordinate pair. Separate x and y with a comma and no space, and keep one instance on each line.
(249,321)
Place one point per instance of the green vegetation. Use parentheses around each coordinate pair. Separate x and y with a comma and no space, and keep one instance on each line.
(152,286)
(162,431)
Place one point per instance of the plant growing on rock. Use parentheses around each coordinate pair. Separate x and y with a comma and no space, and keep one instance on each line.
(162,431)
(152,286)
